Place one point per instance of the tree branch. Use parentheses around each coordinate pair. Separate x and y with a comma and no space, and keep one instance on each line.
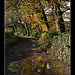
(65,10)
(11,5)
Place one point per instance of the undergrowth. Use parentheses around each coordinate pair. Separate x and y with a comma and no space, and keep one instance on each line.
(10,38)
(45,38)
(37,35)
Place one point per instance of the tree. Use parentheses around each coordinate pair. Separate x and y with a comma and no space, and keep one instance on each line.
(44,15)
(34,12)
(57,13)
(12,16)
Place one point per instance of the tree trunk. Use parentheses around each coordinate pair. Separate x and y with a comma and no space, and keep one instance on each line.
(45,19)
(44,15)
(15,28)
(58,17)
(26,27)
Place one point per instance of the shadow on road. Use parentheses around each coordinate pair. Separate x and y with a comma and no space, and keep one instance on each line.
(26,47)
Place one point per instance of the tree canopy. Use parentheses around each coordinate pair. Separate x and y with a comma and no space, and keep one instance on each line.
(36,15)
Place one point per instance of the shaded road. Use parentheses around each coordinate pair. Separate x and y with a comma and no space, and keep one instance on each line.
(25,48)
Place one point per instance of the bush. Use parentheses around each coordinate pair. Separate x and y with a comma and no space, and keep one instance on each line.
(66,32)
(49,33)
(46,38)
(37,34)
(10,38)
(52,32)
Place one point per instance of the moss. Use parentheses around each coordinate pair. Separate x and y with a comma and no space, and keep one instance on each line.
(37,34)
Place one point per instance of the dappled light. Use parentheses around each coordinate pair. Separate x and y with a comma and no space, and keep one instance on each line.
(37,37)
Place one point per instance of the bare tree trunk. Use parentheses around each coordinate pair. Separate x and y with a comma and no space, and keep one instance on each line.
(45,18)
(15,27)
(27,29)
(58,18)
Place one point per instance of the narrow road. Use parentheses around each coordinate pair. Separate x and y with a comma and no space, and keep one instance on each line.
(25,48)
